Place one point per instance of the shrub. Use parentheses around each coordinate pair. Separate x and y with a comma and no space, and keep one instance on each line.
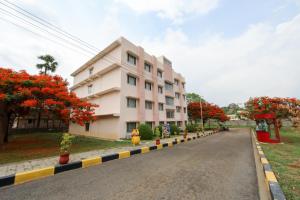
(191,128)
(157,133)
(175,130)
(160,130)
(66,143)
(146,132)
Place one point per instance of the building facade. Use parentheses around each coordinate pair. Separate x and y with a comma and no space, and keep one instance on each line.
(131,87)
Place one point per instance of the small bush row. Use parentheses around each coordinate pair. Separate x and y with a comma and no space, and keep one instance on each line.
(147,133)
(192,128)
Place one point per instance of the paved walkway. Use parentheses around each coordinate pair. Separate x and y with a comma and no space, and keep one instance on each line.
(12,168)
(220,166)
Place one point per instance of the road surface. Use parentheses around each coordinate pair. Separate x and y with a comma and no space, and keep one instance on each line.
(220,166)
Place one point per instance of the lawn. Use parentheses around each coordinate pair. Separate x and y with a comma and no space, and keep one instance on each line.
(38,145)
(285,161)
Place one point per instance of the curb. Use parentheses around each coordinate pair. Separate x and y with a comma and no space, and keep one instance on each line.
(23,177)
(270,178)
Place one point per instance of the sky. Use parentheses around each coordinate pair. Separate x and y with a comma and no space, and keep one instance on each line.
(228,50)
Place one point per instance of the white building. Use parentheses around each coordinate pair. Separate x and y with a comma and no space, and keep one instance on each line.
(131,87)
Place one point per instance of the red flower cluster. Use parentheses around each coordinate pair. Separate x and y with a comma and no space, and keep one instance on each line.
(281,107)
(29,103)
(209,111)
(23,92)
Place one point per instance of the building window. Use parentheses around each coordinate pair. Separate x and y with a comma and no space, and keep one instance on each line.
(87,126)
(183,97)
(29,121)
(90,89)
(169,101)
(147,67)
(148,105)
(179,123)
(161,123)
(148,86)
(170,114)
(160,106)
(177,95)
(178,108)
(159,73)
(131,103)
(184,110)
(91,71)
(176,81)
(150,124)
(131,59)
(130,126)
(131,80)
(168,86)
(183,85)
(160,90)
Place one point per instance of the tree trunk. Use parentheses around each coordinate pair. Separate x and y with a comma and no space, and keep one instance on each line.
(4,121)
(276,127)
(38,119)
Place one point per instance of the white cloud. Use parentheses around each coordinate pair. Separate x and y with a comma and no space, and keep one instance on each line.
(264,60)
(176,10)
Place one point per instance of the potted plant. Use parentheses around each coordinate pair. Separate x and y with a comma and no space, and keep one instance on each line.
(157,136)
(65,147)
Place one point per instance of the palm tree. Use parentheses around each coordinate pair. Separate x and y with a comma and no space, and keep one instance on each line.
(49,65)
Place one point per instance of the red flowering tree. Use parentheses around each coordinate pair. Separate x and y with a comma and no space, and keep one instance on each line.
(21,93)
(209,111)
(281,108)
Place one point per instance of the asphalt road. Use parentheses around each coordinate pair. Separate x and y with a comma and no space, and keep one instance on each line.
(215,167)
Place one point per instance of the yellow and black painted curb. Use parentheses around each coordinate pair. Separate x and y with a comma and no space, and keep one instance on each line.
(22,177)
(270,178)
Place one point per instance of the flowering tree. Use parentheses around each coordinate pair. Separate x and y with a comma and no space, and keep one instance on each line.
(281,108)
(209,111)
(21,93)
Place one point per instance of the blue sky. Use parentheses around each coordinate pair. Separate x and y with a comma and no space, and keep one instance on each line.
(228,50)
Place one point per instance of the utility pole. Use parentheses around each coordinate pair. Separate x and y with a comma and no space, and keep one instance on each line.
(202,126)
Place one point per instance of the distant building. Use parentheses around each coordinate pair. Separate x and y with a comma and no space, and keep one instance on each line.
(233,117)
(30,122)
(131,87)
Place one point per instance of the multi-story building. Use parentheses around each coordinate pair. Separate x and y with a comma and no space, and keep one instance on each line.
(131,87)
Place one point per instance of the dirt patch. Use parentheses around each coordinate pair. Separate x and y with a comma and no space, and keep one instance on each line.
(295,164)
(285,140)
(24,143)
(44,151)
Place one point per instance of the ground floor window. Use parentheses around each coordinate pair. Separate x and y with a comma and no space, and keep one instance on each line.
(149,124)
(179,123)
(161,123)
(130,126)
(171,123)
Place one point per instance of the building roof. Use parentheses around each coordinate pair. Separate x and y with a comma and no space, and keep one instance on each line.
(102,53)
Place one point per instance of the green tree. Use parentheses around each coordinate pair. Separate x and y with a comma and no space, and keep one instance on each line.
(193,97)
(49,64)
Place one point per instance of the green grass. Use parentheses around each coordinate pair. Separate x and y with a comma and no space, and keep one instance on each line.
(38,145)
(285,161)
